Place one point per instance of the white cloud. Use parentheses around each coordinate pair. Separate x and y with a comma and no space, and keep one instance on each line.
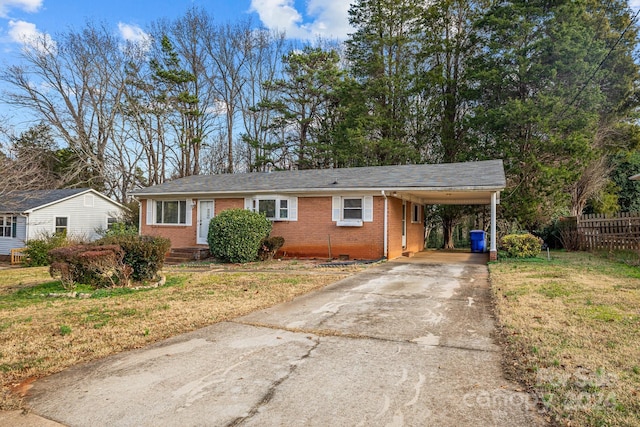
(26,5)
(133,33)
(28,35)
(322,18)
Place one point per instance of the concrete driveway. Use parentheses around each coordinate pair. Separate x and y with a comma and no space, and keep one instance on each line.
(401,344)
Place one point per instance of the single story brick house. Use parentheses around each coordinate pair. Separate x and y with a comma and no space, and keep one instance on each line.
(27,215)
(359,213)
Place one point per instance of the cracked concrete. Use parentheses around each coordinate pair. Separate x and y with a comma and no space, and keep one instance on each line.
(401,344)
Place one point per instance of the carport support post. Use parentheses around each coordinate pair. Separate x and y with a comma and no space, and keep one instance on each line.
(493,251)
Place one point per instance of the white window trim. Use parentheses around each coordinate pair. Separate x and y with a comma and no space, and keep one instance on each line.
(152,212)
(337,215)
(115,220)
(14,226)
(251,203)
(55,226)
(415,206)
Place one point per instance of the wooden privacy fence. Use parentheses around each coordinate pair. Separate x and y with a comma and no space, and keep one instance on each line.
(613,232)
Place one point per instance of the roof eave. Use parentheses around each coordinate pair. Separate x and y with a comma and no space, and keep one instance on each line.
(321,190)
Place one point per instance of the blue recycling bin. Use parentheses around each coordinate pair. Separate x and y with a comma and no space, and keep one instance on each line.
(477,240)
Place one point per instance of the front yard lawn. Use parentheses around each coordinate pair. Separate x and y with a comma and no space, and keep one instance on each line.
(571,329)
(42,334)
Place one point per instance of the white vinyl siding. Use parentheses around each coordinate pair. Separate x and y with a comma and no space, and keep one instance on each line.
(83,221)
(6,244)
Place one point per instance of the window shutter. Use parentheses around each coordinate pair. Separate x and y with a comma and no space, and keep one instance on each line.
(150,203)
(367,212)
(189,212)
(335,208)
(248,203)
(293,208)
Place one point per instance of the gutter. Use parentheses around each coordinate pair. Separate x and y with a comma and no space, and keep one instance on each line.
(318,191)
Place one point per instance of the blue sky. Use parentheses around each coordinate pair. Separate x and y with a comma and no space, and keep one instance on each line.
(21,20)
(302,19)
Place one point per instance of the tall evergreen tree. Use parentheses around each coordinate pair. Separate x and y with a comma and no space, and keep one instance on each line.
(300,101)
(381,53)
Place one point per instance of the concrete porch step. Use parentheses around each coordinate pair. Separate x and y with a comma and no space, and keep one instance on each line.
(184,255)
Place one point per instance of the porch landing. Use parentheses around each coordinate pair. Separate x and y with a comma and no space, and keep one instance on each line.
(445,257)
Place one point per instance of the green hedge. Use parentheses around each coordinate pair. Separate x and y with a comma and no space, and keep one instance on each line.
(520,246)
(144,254)
(235,235)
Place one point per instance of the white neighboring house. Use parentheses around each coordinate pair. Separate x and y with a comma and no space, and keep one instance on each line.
(28,215)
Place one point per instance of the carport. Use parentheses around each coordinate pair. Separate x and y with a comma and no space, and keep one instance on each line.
(472,183)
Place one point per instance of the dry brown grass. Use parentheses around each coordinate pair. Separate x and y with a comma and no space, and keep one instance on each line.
(40,335)
(571,329)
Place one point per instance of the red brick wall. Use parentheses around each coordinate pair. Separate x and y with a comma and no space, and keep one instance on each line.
(309,236)
(415,231)
(395,227)
(224,204)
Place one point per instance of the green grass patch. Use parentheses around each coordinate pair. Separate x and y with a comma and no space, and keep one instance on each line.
(554,290)
(603,313)
(570,327)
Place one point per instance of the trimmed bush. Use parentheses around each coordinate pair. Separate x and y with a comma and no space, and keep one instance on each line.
(235,235)
(521,245)
(144,254)
(98,266)
(269,247)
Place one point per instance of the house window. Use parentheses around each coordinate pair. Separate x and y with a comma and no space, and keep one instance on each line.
(62,225)
(274,209)
(351,208)
(110,222)
(8,226)
(171,212)
(415,213)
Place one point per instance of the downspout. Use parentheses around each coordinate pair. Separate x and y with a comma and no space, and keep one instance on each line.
(493,251)
(26,227)
(386,225)
(139,214)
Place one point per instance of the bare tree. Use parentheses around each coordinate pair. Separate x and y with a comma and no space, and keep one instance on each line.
(185,80)
(75,85)
(229,51)
(263,64)
(20,170)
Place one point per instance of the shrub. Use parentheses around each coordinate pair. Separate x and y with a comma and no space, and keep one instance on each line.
(118,229)
(521,245)
(37,250)
(269,247)
(98,266)
(144,254)
(235,235)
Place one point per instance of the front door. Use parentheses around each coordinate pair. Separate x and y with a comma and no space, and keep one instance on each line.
(205,213)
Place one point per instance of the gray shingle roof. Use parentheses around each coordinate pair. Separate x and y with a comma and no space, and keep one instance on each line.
(21,201)
(481,175)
